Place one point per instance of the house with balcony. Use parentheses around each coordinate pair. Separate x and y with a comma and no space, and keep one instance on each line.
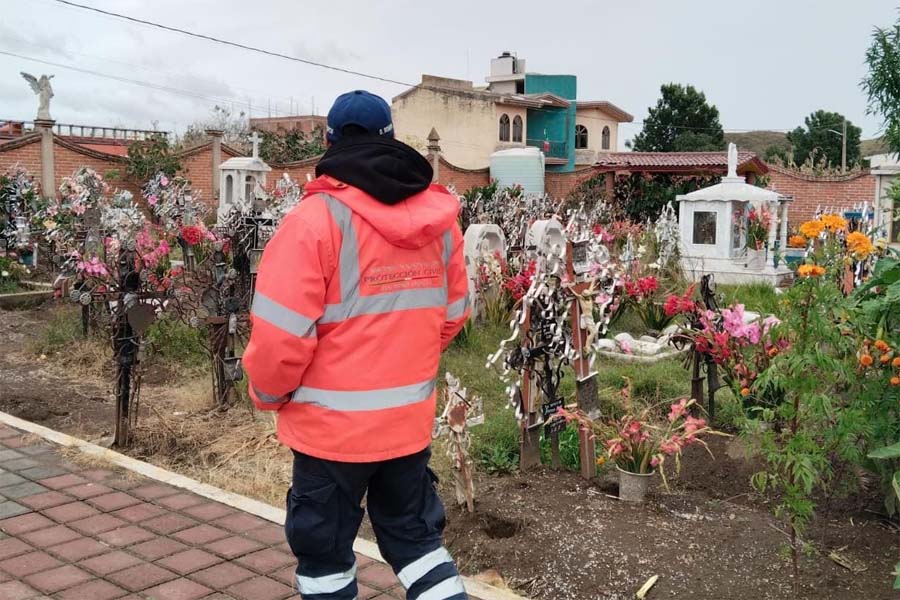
(515,109)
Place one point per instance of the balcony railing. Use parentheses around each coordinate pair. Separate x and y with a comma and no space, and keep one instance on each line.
(550,149)
(11,128)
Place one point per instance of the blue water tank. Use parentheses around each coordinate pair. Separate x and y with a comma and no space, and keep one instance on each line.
(519,166)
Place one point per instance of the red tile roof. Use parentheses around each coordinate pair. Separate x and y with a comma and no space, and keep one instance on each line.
(677,161)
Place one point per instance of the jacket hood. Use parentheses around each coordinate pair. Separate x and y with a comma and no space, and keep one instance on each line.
(388,170)
(411,223)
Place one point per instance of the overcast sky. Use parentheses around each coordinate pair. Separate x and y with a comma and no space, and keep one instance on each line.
(766,64)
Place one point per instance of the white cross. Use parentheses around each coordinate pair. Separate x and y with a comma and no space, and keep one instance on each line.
(256,140)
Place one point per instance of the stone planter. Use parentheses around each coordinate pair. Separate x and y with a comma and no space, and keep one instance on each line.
(633,486)
(756,259)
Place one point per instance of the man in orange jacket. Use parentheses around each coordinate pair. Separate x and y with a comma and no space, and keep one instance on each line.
(358,292)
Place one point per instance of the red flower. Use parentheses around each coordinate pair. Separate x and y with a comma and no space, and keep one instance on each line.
(192,235)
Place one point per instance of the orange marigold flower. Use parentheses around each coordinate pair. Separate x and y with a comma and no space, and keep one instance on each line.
(834,223)
(895,380)
(773,351)
(811,229)
(797,241)
(882,345)
(866,360)
(859,244)
(885,359)
(810,270)
(896,362)
(745,392)
(601,460)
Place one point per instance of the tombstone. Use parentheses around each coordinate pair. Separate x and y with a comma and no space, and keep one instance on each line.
(546,239)
(240,179)
(480,239)
(712,227)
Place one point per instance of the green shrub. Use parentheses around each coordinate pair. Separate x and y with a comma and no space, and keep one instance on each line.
(178,343)
(495,444)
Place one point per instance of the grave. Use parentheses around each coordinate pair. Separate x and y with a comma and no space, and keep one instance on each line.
(242,180)
(713,221)
(480,240)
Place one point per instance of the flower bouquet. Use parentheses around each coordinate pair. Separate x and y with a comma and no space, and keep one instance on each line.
(639,443)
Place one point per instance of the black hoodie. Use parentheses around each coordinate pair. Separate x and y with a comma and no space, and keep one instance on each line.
(388,170)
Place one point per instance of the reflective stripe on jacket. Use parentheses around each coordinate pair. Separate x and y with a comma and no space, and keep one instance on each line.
(355,301)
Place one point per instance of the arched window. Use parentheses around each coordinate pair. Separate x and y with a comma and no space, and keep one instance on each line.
(504,128)
(604,139)
(517,129)
(581,137)
(229,189)
(249,186)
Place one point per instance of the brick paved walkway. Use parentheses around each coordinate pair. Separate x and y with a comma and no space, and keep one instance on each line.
(82,533)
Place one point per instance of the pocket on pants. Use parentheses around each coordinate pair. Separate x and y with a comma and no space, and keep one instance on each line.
(312,515)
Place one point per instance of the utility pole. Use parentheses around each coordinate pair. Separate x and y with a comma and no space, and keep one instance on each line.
(844,148)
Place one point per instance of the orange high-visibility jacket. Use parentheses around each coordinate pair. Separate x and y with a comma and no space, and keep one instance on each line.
(355,300)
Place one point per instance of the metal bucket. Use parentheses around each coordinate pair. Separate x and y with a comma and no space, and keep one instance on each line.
(633,486)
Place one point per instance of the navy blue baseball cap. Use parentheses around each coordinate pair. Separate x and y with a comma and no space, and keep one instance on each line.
(363,109)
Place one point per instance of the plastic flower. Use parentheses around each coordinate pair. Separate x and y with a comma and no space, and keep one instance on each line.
(797,241)
(834,223)
(859,244)
(812,229)
(810,271)
(192,235)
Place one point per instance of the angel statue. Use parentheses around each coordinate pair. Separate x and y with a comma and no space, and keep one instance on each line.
(44,92)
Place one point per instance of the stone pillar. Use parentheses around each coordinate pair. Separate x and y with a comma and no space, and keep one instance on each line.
(216,137)
(48,181)
(784,205)
(434,153)
(773,227)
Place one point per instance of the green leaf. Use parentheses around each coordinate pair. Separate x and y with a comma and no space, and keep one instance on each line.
(897,575)
(888,452)
(896,484)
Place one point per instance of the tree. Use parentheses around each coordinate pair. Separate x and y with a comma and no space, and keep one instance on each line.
(148,157)
(882,84)
(823,136)
(681,121)
(235,129)
(280,148)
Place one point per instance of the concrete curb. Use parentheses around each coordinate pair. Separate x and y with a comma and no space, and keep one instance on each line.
(243,503)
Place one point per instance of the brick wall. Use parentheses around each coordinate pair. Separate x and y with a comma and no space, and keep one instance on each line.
(298,170)
(27,155)
(559,185)
(462,179)
(809,192)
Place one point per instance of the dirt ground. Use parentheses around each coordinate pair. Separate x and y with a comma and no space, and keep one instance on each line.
(550,535)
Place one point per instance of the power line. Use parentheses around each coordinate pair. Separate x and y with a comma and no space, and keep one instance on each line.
(154,86)
(344,70)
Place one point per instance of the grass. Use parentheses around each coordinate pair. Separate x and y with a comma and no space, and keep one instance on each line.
(758,297)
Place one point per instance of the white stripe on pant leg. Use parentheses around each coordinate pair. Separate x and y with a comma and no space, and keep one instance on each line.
(420,567)
(443,590)
(326,584)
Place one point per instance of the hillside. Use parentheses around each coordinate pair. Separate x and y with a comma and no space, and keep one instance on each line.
(759,141)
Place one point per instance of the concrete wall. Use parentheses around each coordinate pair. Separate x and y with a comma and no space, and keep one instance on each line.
(595,120)
(558,125)
(467,124)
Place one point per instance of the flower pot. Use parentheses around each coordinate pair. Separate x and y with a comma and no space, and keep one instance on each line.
(756,259)
(633,486)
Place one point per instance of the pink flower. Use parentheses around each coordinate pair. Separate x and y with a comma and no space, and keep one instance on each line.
(152,199)
(672,445)
(164,181)
(692,425)
(677,410)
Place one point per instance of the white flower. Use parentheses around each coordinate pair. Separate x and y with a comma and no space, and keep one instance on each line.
(4,274)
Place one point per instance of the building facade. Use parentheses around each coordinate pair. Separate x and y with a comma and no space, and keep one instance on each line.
(515,109)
